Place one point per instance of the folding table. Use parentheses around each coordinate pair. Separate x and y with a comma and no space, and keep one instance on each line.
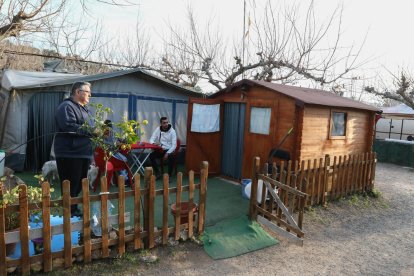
(140,153)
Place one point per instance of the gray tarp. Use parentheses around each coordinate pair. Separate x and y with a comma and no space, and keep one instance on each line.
(133,93)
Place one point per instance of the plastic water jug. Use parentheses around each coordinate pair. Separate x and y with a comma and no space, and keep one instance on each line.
(248,190)
(2,159)
(244,183)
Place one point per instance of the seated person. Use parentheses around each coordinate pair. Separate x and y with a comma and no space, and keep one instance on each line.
(166,138)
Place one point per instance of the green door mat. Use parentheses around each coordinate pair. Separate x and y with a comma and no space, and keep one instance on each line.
(233,237)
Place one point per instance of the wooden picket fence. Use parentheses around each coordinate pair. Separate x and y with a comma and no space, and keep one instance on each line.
(281,208)
(142,236)
(300,184)
(329,178)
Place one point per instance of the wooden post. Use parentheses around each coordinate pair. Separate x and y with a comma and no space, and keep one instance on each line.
(282,192)
(360,172)
(202,196)
(271,201)
(177,217)
(121,214)
(104,217)
(147,181)
(47,236)
(368,176)
(66,223)
(344,174)
(325,181)
(288,181)
(301,185)
(151,206)
(24,229)
(314,179)
(349,175)
(303,200)
(253,194)
(365,177)
(137,212)
(374,165)
(87,242)
(3,268)
(352,174)
(339,179)
(190,204)
(308,188)
(334,180)
(165,211)
(318,187)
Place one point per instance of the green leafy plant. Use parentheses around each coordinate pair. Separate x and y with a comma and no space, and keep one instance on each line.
(11,197)
(126,133)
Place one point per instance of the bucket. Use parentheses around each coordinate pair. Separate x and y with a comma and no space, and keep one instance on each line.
(244,183)
(2,159)
(248,190)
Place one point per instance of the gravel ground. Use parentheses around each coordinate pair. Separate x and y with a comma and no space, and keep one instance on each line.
(351,237)
(354,236)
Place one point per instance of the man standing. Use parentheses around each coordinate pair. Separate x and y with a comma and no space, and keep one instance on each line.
(166,138)
(73,146)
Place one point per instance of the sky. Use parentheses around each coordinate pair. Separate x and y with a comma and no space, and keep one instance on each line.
(383,26)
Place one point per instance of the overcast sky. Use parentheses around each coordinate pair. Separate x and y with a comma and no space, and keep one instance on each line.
(387,24)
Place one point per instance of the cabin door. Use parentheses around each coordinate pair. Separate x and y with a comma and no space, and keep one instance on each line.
(233,134)
(204,134)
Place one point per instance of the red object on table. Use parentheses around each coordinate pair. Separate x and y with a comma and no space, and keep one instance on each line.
(145,145)
(140,152)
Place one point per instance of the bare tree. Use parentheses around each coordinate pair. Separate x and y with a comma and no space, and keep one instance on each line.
(282,47)
(70,40)
(131,49)
(17,16)
(403,90)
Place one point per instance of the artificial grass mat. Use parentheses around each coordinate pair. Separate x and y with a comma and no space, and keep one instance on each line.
(235,236)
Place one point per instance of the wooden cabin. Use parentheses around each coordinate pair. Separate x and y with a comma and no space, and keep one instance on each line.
(251,118)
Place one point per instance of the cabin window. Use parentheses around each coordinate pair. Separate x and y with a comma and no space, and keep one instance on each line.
(338,124)
(206,118)
(260,120)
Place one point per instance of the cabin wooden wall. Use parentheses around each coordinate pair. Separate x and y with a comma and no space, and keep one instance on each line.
(282,119)
(315,142)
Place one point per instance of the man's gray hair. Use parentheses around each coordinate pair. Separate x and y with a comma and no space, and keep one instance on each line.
(78,85)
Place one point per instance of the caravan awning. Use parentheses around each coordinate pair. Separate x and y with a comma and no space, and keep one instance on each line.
(13,79)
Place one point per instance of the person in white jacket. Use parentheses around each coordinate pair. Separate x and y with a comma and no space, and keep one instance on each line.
(166,137)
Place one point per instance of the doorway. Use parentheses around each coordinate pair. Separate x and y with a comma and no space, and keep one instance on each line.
(233,139)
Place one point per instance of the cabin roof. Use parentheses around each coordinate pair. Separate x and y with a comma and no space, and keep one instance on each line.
(303,95)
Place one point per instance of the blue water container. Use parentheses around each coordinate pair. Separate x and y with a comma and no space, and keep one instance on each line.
(244,183)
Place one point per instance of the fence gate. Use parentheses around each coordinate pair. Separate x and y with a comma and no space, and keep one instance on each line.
(280,204)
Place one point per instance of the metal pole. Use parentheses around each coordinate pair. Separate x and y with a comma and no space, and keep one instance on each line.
(244,32)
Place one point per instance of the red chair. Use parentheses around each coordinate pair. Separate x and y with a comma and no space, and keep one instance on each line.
(113,165)
(175,154)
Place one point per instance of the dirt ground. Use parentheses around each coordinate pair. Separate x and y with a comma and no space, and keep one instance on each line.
(354,236)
